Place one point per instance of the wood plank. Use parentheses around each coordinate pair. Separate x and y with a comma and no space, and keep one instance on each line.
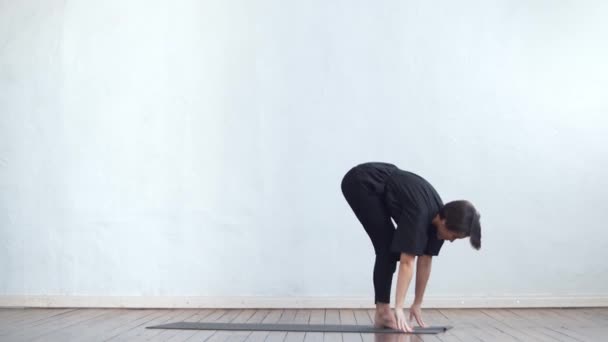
(202,335)
(556,335)
(317,316)
(223,335)
(81,329)
(22,315)
(505,321)
(258,317)
(106,328)
(229,336)
(474,325)
(274,317)
(288,316)
(168,334)
(587,334)
(579,319)
(462,326)
(25,321)
(137,318)
(581,334)
(295,336)
(61,322)
(371,314)
(434,317)
(533,318)
(332,316)
(487,328)
(348,317)
(517,325)
(10,316)
(166,316)
(147,334)
(430,317)
(363,318)
(300,317)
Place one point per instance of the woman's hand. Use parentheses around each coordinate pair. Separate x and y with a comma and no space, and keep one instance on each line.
(401,321)
(416,312)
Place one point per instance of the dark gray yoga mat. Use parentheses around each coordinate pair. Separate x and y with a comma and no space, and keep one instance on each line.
(294,327)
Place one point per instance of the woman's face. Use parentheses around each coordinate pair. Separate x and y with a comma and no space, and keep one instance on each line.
(443,233)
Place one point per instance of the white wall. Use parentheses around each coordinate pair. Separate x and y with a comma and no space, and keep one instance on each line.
(159,148)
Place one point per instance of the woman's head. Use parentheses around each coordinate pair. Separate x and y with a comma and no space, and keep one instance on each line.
(458,220)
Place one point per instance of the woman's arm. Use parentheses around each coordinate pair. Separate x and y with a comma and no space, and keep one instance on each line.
(423,271)
(406,268)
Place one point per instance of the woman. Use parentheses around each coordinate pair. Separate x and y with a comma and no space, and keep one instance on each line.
(377,192)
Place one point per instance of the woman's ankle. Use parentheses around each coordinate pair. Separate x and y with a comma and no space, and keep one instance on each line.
(383,307)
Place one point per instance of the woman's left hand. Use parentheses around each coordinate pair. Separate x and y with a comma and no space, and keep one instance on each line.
(416,312)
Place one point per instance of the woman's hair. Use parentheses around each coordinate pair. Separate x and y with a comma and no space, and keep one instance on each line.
(462,217)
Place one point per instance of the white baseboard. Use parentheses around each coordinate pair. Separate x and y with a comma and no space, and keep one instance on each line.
(257,302)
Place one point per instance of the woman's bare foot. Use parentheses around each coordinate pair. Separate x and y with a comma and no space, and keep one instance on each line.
(385,319)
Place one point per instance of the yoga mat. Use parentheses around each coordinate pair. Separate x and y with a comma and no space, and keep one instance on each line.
(294,327)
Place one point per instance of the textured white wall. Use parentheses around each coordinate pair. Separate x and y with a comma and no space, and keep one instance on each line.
(196,148)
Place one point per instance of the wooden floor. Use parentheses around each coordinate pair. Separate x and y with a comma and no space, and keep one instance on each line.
(129,325)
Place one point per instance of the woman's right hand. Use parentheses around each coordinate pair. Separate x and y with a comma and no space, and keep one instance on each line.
(401,321)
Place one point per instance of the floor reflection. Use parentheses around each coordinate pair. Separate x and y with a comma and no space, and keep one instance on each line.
(398,337)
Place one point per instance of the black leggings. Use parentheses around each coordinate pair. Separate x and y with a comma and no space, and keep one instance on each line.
(371,211)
